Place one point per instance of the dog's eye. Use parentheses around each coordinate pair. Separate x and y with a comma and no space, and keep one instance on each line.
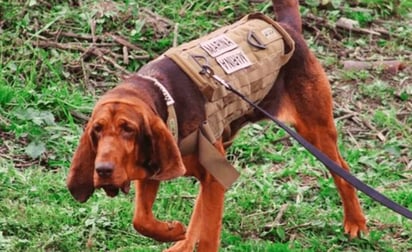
(97,128)
(126,128)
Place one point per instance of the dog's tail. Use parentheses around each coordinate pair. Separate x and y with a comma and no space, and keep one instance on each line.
(287,11)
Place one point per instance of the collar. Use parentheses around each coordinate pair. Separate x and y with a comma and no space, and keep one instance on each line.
(171,120)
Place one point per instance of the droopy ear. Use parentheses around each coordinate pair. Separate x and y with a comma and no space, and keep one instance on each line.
(165,152)
(80,178)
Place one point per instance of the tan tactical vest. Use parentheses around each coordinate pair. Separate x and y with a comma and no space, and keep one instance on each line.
(247,54)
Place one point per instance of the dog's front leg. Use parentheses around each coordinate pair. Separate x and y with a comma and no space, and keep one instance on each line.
(193,231)
(145,222)
(206,220)
(212,196)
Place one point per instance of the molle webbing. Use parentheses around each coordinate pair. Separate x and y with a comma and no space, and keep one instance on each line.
(247,54)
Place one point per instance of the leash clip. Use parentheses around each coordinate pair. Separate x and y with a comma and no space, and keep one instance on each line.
(208,71)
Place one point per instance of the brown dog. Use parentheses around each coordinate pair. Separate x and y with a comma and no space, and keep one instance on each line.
(127,140)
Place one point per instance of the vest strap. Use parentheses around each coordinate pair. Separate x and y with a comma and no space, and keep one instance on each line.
(202,141)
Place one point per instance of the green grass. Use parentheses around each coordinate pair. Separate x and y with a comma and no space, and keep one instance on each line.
(43,91)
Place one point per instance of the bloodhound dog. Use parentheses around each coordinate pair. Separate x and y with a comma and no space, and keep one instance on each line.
(127,139)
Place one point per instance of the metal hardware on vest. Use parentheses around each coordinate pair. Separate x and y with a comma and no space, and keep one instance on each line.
(330,164)
(171,120)
(254,41)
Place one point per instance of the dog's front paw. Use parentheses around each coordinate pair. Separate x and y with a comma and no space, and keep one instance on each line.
(355,227)
(181,246)
(161,231)
(176,231)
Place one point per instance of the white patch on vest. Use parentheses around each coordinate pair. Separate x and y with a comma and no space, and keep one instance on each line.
(218,45)
(233,61)
(269,32)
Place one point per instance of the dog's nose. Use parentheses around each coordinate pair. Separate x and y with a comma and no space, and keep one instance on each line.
(104,169)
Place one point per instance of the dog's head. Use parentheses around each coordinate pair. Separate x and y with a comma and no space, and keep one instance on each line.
(123,141)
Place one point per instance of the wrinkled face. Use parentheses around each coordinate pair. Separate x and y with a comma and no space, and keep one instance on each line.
(123,141)
(120,137)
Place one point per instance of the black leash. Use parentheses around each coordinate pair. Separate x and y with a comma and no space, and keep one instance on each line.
(330,164)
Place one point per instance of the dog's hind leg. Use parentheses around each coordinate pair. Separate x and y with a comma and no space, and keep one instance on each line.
(307,104)
(325,139)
